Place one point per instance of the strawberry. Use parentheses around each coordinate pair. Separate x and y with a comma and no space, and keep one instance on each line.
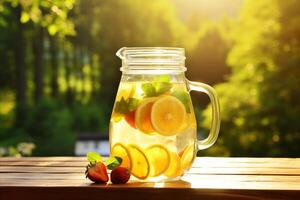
(119,175)
(96,172)
(129,117)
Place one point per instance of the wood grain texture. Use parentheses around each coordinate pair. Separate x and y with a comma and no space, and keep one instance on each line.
(209,178)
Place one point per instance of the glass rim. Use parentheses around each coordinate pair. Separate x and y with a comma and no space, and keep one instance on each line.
(152,58)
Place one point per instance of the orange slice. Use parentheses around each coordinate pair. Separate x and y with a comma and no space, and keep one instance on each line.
(174,168)
(168,115)
(159,158)
(143,115)
(121,151)
(140,164)
(187,157)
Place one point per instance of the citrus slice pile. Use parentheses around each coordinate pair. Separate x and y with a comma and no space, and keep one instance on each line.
(153,161)
(159,158)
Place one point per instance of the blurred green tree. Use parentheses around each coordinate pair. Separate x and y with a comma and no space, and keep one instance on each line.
(259,102)
(154,25)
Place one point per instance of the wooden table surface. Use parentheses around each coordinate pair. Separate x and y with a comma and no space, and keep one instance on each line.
(209,178)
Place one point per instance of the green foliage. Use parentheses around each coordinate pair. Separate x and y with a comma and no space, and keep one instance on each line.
(259,108)
(88,118)
(49,124)
(52,15)
(259,100)
(22,149)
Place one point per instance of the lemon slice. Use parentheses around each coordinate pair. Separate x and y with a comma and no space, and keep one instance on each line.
(187,157)
(121,151)
(126,90)
(168,115)
(174,168)
(140,167)
(143,115)
(159,158)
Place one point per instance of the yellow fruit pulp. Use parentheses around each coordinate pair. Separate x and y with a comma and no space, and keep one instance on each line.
(140,163)
(168,115)
(159,158)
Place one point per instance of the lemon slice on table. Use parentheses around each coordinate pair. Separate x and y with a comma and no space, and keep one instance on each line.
(121,151)
(159,158)
(168,115)
(174,168)
(187,157)
(140,166)
(143,115)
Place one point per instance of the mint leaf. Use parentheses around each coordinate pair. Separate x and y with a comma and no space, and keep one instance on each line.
(132,104)
(184,97)
(113,162)
(93,157)
(148,89)
(160,84)
(162,78)
(162,87)
(121,106)
(124,106)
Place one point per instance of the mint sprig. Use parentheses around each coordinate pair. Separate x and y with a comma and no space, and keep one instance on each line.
(125,106)
(159,85)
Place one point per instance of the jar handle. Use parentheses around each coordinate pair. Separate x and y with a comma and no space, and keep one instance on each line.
(215,123)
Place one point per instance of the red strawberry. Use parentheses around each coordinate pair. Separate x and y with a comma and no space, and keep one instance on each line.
(119,175)
(96,172)
(129,117)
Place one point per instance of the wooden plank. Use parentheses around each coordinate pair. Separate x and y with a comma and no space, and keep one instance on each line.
(14,177)
(206,159)
(184,183)
(199,170)
(199,162)
(211,178)
(50,193)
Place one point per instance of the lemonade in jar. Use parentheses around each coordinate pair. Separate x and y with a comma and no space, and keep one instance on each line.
(153,126)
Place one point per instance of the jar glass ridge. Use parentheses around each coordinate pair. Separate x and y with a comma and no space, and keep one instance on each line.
(137,59)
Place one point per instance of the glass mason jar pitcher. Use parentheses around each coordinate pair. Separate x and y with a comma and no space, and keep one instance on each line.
(153,125)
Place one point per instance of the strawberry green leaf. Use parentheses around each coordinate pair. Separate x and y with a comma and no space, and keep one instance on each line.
(113,162)
(93,157)
(184,97)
